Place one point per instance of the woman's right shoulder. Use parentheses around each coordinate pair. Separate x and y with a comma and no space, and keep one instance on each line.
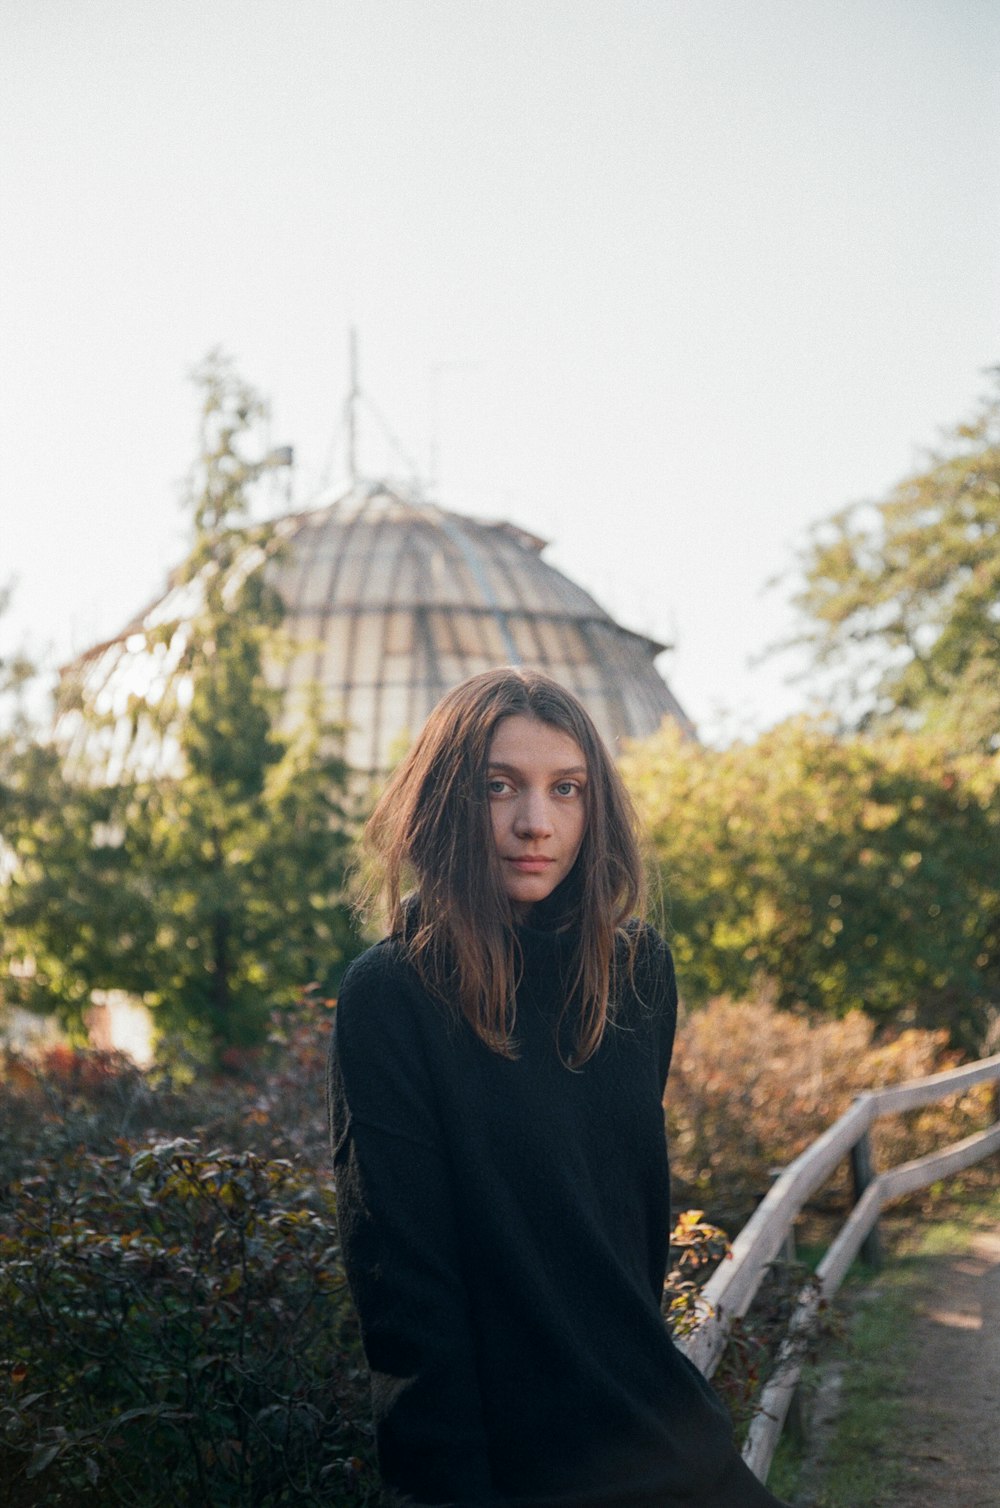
(374,1014)
(380,971)
(382,998)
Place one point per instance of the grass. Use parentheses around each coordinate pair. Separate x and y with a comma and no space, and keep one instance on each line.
(859,1461)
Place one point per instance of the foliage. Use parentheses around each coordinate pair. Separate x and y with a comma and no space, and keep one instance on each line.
(217,891)
(836,873)
(171,1316)
(174,1326)
(904,595)
(174,1322)
(751,1086)
(696,1249)
(271,1096)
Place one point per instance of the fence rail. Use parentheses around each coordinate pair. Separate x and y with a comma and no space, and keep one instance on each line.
(731,1290)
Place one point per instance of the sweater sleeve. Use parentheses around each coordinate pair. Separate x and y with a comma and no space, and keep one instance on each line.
(400,1242)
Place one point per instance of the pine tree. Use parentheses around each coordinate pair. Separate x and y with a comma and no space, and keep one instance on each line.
(216,891)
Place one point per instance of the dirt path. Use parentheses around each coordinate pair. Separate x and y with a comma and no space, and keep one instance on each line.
(950,1446)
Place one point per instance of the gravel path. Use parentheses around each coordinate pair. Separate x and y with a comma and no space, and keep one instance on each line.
(951,1440)
(947,1448)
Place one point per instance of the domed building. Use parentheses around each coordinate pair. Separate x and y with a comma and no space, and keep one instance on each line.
(389,601)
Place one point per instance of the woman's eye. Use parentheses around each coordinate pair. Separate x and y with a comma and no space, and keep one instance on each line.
(496,787)
(567,788)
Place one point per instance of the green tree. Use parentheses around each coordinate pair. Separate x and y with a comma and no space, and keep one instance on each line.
(835,873)
(214,891)
(903,596)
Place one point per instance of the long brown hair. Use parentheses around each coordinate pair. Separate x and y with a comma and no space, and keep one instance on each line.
(432,824)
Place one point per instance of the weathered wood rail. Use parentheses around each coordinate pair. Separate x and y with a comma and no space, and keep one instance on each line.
(730,1291)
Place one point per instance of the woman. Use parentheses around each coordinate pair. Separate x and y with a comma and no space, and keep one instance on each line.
(496,1088)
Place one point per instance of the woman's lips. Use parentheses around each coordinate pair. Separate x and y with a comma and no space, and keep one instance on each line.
(527,865)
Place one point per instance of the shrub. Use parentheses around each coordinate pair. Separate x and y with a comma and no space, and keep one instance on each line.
(174,1321)
(751,1086)
(845,873)
(176,1329)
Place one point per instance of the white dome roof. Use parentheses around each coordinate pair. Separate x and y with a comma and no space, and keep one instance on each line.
(389,601)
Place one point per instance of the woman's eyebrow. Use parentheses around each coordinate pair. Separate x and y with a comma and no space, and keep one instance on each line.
(513,769)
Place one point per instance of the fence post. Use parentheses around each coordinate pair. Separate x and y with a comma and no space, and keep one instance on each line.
(862,1174)
(795,1420)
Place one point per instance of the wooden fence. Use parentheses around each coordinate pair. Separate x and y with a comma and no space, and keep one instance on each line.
(730,1291)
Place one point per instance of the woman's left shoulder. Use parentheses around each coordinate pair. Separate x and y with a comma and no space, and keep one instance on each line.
(645,943)
(649,965)
(648,987)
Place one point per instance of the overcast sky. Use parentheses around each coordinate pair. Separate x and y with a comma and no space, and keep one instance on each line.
(661,280)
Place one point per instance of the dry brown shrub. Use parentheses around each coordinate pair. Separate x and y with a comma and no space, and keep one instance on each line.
(751,1086)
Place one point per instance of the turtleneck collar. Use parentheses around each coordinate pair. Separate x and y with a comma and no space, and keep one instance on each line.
(558,912)
(549,935)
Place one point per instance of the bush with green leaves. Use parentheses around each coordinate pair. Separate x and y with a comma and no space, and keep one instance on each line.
(175,1326)
(176,1330)
(835,874)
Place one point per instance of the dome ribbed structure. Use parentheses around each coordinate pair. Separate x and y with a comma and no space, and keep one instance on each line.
(389,601)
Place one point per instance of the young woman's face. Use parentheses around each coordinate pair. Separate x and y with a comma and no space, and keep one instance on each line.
(537,784)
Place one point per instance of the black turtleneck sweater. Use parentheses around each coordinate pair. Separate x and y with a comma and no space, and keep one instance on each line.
(505,1229)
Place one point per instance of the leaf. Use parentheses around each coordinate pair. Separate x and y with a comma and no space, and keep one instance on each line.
(42,1457)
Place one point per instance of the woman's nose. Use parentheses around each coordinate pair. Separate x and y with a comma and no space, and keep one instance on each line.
(533,818)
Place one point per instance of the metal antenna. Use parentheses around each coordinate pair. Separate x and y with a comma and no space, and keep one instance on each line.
(351,410)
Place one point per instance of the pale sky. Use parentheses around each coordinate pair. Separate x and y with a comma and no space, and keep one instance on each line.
(661,280)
